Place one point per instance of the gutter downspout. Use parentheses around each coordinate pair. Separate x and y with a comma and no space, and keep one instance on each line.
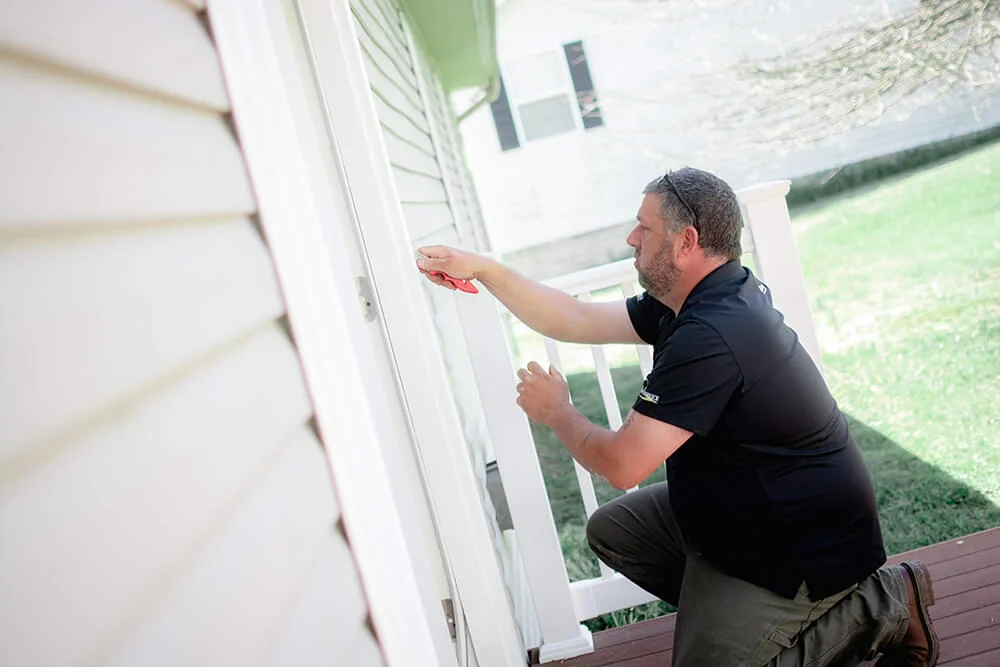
(490,92)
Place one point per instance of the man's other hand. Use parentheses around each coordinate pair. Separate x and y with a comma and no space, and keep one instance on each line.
(542,394)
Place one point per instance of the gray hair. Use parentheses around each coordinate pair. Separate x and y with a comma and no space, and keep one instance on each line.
(694,198)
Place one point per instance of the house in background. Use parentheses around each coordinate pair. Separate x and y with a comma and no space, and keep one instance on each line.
(600,97)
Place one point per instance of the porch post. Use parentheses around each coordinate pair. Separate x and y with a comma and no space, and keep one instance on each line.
(777,261)
(562,635)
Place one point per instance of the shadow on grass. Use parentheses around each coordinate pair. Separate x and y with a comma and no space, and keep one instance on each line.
(919,504)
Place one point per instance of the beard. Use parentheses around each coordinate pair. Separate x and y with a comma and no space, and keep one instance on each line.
(662,274)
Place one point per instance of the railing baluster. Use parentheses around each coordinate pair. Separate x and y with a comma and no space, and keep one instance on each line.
(582,474)
(605,381)
(583,477)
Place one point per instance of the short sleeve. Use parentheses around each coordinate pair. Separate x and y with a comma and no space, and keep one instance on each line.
(647,316)
(693,379)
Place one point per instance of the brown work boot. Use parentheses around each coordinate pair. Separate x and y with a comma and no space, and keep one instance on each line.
(919,647)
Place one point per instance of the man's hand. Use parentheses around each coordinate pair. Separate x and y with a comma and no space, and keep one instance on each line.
(542,394)
(456,263)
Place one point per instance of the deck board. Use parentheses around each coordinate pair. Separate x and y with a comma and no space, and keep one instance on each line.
(966,575)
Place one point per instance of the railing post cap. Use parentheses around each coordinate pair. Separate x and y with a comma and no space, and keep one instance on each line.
(764,191)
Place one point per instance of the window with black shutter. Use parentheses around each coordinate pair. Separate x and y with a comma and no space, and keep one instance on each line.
(544,95)
(586,96)
(504,120)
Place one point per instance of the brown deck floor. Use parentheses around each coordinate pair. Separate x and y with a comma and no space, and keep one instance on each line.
(966,575)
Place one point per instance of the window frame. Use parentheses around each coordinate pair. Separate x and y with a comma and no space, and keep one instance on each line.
(565,87)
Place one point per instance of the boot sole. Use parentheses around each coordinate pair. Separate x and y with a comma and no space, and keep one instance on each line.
(923,589)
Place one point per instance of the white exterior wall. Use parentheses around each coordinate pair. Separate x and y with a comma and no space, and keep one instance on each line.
(642,68)
(164,498)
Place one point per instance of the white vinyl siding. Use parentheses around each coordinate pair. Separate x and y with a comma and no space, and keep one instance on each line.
(164,498)
(464,204)
(396,73)
(405,126)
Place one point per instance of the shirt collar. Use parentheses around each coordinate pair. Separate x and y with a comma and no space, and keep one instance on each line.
(731,270)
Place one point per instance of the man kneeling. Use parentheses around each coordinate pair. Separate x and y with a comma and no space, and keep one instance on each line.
(765,535)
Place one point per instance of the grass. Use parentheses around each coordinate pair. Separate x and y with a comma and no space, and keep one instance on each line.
(905,287)
(904,282)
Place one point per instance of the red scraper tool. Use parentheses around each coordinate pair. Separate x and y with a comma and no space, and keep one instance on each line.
(459,283)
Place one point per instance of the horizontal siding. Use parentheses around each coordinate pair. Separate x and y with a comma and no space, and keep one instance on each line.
(419,188)
(79,153)
(409,156)
(376,19)
(391,18)
(394,81)
(465,391)
(225,602)
(452,160)
(402,126)
(102,316)
(323,623)
(163,497)
(426,222)
(365,651)
(89,535)
(123,41)
(406,124)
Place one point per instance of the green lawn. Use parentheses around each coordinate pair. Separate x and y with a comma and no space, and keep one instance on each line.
(904,280)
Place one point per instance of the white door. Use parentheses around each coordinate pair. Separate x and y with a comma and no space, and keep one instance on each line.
(331,191)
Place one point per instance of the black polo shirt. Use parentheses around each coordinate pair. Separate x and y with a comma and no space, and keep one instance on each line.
(771,488)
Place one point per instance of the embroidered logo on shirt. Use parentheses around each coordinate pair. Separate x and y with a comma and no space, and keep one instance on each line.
(762,287)
(649,398)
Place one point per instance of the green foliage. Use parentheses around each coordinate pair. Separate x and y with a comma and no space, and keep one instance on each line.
(905,287)
(871,173)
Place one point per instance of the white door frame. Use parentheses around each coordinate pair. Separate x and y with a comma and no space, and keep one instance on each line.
(454,493)
(330,335)
(318,293)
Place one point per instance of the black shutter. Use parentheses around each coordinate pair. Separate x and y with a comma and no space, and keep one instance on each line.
(504,120)
(586,96)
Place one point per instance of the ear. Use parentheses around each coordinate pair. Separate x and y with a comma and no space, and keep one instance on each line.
(687,243)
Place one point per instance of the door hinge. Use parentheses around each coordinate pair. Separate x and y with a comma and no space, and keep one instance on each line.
(366,297)
(449,614)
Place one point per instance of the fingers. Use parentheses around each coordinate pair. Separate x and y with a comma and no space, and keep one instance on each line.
(438,280)
(458,264)
(435,251)
(434,257)
(426,264)
(535,368)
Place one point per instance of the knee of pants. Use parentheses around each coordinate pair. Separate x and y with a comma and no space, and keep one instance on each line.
(602,528)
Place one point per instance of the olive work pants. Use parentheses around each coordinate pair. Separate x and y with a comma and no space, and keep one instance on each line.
(723,621)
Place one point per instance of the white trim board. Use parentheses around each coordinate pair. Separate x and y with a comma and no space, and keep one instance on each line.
(327,323)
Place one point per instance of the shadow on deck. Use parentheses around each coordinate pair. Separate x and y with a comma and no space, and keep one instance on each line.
(966,575)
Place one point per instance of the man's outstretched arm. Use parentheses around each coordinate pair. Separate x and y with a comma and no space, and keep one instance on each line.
(549,311)
(624,458)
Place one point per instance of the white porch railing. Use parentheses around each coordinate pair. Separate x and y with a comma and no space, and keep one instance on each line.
(559,604)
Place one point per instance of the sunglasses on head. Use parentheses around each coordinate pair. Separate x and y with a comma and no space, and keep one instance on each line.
(666,179)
